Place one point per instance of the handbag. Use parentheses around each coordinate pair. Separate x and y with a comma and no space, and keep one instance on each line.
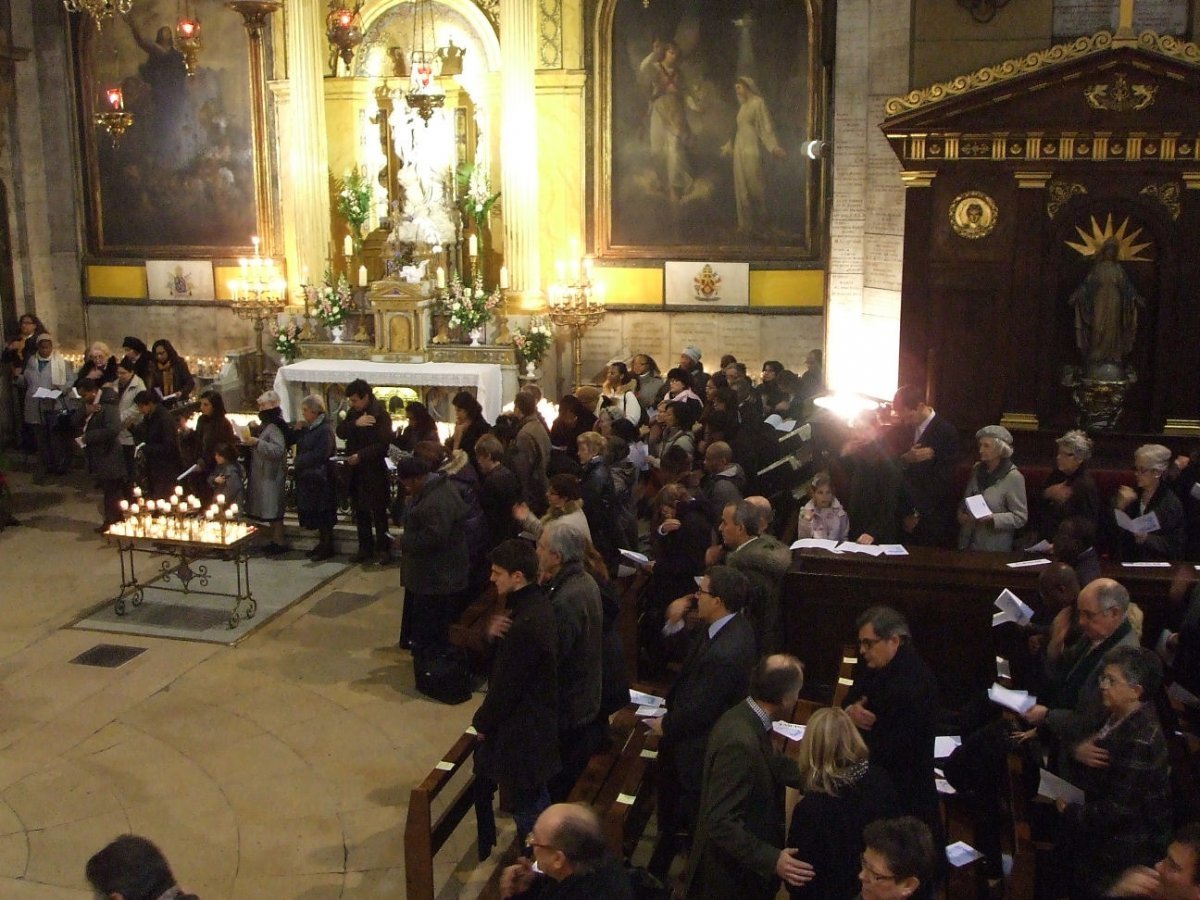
(443,673)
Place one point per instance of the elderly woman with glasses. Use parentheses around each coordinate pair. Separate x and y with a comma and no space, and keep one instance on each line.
(1164,538)
(1125,775)
(1002,487)
(899,861)
(99,367)
(1069,490)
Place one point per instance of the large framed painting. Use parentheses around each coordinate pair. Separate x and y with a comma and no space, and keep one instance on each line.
(181,181)
(702,110)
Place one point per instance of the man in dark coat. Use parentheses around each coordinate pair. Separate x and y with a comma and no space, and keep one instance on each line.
(928,466)
(530,452)
(713,679)
(894,703)
(579,618)
(738,850)
(367,431)
(499,490)
(570,852)
(435,563)
(99,427)
(158,436)
(517,723)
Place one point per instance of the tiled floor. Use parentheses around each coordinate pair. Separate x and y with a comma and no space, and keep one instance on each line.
(279,768)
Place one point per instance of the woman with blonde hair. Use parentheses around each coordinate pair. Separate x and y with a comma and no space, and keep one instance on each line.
(842,793)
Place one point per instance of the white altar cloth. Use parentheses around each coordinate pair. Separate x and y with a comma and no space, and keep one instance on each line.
(484,377)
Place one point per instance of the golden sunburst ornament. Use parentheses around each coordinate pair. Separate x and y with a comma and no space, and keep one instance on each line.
(1127,248)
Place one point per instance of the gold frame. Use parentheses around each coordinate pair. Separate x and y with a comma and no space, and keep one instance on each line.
(261,129)
(816,187)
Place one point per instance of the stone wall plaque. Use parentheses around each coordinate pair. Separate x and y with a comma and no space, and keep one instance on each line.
(1076,18)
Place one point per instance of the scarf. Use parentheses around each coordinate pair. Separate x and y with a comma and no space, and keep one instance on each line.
(985,479)
(166,374)
(274,416)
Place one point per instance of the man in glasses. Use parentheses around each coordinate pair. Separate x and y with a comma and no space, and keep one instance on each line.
(568,849)
(894,701)
(1175,877)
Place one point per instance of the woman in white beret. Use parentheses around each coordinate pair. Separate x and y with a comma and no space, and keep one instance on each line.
(1002,487)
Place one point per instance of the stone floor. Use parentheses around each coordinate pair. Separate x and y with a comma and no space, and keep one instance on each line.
(279,768)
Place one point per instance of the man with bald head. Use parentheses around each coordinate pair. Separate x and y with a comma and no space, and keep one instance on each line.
(723,482)
(1071,709)
(570,859)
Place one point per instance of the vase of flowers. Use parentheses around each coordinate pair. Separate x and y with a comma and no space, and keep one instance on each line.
(469,307)
(286,340)
(477,198)
(533,343)
(354,203)
(333,303)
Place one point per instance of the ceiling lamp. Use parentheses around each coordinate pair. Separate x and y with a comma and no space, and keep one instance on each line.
(99,10)
(187,37)
(343,28)
(424,94)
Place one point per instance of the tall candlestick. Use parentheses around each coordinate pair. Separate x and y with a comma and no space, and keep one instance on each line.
(441,278)
(362,276)
(347,246)
(473,246)
(504,278)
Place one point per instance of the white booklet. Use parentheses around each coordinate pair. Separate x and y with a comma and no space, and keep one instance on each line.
(1042,546)
(978,507)
(635,556)
(1012,609)
(1141,525)
(893,550)
(960,853)
(867,549)
(46,394)
(945,744)
(1026,563)
(1055,788)
(644,699)
(814,544)
(188,471)
(1018,701)
(779,423)
(789,730)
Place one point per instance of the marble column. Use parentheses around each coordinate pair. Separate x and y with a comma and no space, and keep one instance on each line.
(518,146)
(304,158)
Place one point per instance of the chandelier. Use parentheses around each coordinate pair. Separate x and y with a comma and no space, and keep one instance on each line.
(187,37)
(424,94)
(99,10)
(343,28)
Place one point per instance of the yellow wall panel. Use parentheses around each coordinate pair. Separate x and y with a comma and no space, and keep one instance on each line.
(125,282)
(631,285)
(793,287)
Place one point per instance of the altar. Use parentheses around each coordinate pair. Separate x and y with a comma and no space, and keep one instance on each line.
(293,382)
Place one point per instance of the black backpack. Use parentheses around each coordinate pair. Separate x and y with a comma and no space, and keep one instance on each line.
(443,673)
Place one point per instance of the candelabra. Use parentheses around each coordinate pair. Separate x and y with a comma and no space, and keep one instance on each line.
(259,295)
(577,305)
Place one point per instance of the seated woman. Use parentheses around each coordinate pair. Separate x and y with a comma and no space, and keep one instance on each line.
(1002,487)
(99,367)
(823,515)
(1069,490)
(169,374)
(1125,775)
(1166,542)
(564,496)
(898,862)
(841,793)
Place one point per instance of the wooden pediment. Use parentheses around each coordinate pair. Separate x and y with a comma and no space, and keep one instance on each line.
(1097,99)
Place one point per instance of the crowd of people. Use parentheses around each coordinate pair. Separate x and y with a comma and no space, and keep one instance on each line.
(674,476)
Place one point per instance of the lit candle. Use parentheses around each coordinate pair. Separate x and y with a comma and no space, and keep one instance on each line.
(116,98)
(441,278)
(347,246)
(233,508)
(587,267)
(473,246)
(254,241)
(504,278)
(220,499)
(137,492)
(124,504)
(362,276)
(178,490)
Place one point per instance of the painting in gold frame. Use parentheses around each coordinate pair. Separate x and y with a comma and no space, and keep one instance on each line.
(181,181)
(701,111)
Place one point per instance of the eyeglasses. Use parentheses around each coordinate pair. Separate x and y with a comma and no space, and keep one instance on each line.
(700,591)
(872,875)
(532,844)
(868,643)
(1107,680)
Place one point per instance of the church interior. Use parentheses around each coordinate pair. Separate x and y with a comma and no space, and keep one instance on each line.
(843,219)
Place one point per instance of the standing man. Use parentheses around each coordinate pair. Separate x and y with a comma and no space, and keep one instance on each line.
(713,679)
(99,428)
(599,497)
(762,559)
(517,723)
(579,622)
(689,361)
(928,467)
(434,563)
(531,452)
(893,701)
(724,481)
(739,848)
(367,431)
(499,490)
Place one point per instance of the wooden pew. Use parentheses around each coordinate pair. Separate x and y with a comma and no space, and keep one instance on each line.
(424,837)
(845,677)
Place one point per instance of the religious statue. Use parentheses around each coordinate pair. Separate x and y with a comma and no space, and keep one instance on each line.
(1106,311)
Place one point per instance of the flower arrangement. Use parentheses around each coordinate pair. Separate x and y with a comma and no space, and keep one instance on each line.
(469,307)
(533,343)
(333,300)
(354,202)
(477,197)
(286,339)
